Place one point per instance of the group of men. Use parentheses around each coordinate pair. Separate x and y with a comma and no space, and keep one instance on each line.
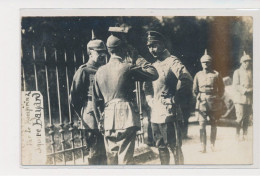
(103,94)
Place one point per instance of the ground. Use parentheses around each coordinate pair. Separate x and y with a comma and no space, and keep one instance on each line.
(227,150)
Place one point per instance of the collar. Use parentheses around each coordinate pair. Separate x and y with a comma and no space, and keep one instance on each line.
(115,57)
(91,64)
(165,54)
(208,71)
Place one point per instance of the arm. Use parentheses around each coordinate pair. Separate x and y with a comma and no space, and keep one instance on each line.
(236,83)
(78,94)
(195,88)
(221,86)
(184,84)
(144,71)
(98,101)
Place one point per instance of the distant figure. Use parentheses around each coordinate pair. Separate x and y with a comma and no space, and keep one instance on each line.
(208,88)
(81,100)
(173,83)
(243,85)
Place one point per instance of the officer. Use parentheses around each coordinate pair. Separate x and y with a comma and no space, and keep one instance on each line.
(208,88)
(135,58)
(113,95)
(174,80)
(243,85)
(81,100)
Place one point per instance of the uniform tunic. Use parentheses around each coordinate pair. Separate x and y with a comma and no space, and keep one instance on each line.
(243,98)
(81,99)
(174,80)
(209,88)
(81,94)
(113,88)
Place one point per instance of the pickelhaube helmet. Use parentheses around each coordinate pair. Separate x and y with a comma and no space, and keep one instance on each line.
(245,57)
(153,36)
(113,41)
(95,44)
(206,57)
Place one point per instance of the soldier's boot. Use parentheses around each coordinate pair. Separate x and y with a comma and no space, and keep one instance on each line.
(203,140)
(238,128)
(178,156)
(164,156)
(244,136)
(213,136)
(245,127)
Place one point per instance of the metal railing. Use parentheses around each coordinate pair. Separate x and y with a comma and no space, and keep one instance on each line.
(50,71)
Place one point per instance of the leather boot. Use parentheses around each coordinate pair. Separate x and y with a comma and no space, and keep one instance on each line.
(164,156)
(203,140)
(213,136)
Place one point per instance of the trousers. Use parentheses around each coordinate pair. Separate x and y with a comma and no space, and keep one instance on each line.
(96,147)
(165,137)
(120,145)
(203,118)
(243,112)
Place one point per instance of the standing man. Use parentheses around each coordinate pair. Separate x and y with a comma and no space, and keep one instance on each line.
(133,57)
(208,88)
(243,85)
(81,100)
(173,82)
(113,94)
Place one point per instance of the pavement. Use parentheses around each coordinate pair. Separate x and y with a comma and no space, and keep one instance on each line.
(227,149)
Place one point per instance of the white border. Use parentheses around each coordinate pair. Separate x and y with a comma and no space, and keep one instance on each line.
(10,79)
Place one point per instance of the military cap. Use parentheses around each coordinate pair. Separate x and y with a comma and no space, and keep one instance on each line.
(113,41)
(96,44)
(153,36)
(245,57)
(206,57)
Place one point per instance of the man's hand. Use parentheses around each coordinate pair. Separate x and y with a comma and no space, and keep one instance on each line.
(149,100)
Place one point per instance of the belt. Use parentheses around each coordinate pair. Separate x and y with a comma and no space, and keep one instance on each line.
(208,93)
(113,101)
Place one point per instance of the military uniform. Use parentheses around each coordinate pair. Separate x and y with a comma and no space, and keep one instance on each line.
(243,98)
(208,87)
(81,99)
(114,84)
(134,58)
(173,81)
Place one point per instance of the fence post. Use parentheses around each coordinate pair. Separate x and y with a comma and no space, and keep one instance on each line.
(59,106)
(51,126)
(35,69)
(71,123)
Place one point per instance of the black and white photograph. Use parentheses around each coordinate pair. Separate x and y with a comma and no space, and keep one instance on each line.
(136,90)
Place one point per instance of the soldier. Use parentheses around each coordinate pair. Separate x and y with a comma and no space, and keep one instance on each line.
(243,85)
(81,100)
(208,88)
(134,58)
(113,89)
(174,80)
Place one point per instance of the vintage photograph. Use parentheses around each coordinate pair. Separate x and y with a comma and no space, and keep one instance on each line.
(136,90)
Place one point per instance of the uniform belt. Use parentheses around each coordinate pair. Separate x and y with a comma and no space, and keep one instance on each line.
(117,100)
(208,93)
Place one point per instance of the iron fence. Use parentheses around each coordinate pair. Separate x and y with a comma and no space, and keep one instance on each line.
(50,71)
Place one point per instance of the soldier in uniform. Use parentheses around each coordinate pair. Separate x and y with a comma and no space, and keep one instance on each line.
(113,95)
(173,82)
(135,58)
(208,88)
(243,85)
(81,100)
